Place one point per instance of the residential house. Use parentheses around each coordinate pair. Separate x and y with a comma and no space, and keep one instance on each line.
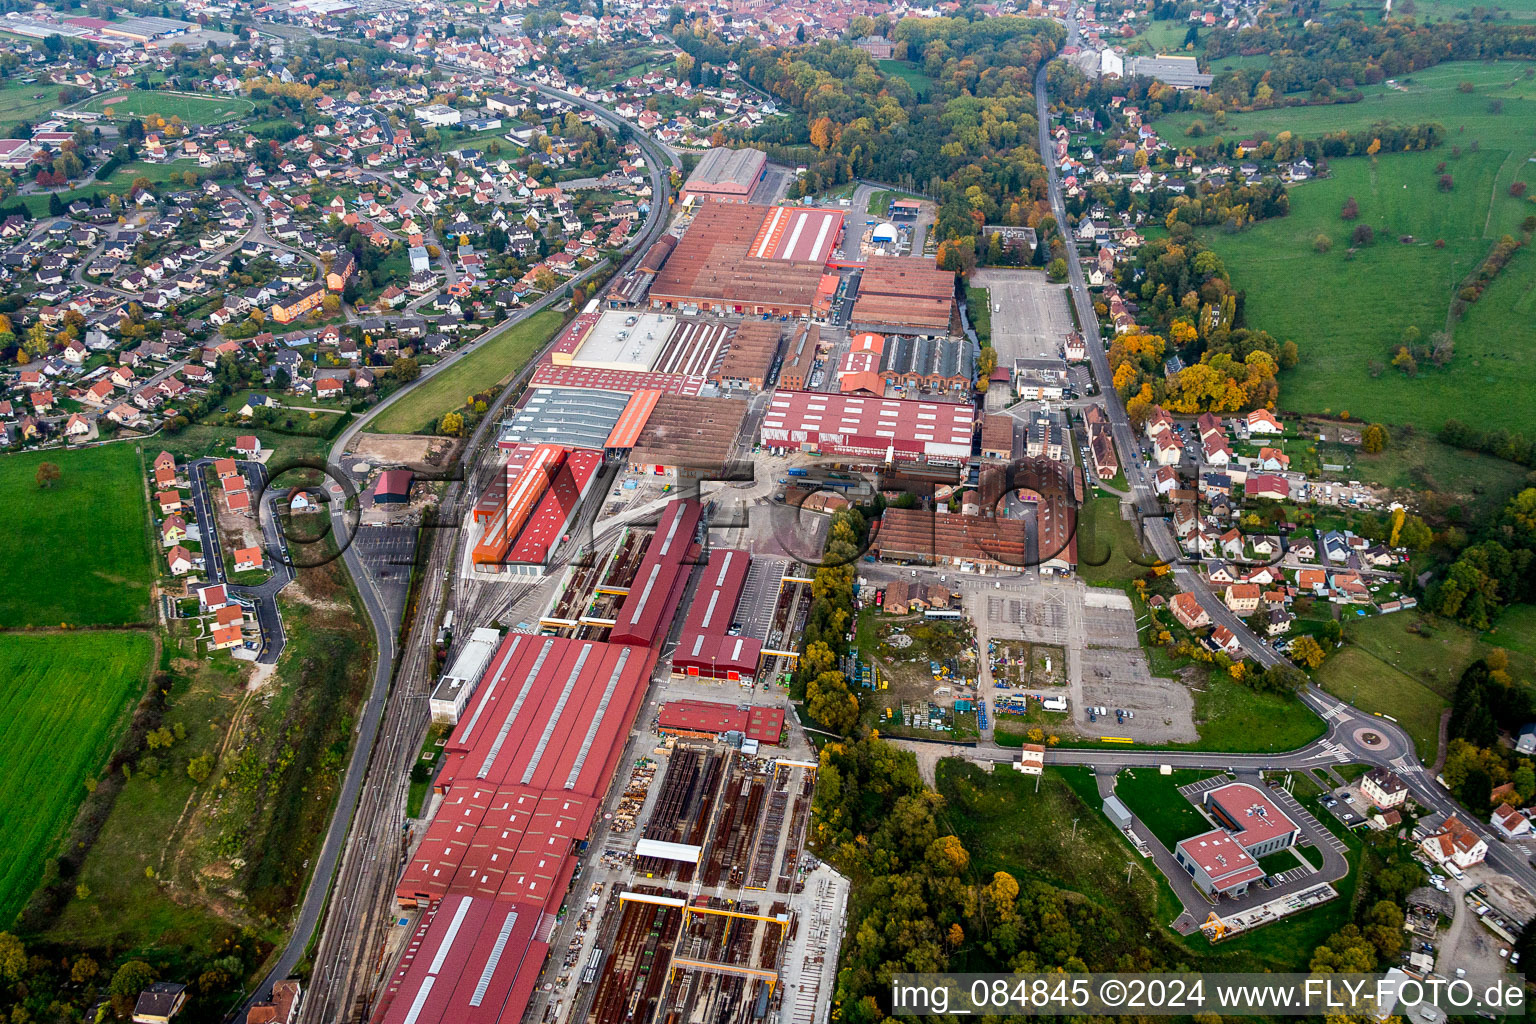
(1384,788)
(159,1003)
(1456,844)
(1262,421)
(1243,598)
(1509,822)
(1227,642)
(247,559)
(173,530)
(1186,608)
(180,561)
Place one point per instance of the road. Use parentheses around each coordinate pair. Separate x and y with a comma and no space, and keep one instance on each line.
(351,886)
(1395,750)
(262,596)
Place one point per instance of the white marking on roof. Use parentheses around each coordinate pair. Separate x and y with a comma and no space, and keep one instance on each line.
(517,705)
(494,959)
(554,715)
(485,700)
(420,1000)
(794,237)
(597,719)
(821,236)
(452,933)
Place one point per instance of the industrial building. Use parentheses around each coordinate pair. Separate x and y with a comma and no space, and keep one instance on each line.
(889,429)
(614,350)
(749,360)
(711,644)
(457,685)
(725,175)
(661,577)
(708,720)
(523,776)
(800,357)
(906,294)
(523,517)
(573,417)
(927,363)
(1179,71)
(689,438)
(632,289)
(743,258)
(859,370)
(994,532)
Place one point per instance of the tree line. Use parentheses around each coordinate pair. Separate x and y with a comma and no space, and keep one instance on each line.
(1495,571)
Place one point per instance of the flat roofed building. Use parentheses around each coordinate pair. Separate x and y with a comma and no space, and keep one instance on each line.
(726,175)
(620,341)
(1178,71)
(457,685)
(1261,827)
(1217,863)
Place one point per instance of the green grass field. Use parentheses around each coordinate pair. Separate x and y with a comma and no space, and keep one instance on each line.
(192,109)
(1420,463)
(77,552)
(1347,313)
(493,362)
(61,710)
(20,101)
(1104,538)
(1374,686)
(1233,716)
(1515,631)
(1156,800)
(1006,825)
(1424,96)
(978,306)
(1407,665)
(909,73)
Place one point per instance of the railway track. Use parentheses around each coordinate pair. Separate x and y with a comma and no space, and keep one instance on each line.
(350,961)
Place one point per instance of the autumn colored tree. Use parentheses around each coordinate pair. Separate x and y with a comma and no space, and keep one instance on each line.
(1306,652)
(451,425)
(823,133)
(47,475)
(1351,210)
(1374,439)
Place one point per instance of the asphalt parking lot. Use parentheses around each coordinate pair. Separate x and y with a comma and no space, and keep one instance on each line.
(1034,320)
(388,551)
